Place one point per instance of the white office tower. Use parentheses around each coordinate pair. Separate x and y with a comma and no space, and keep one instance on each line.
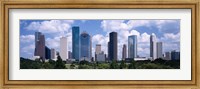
(159,50)
(63,48)
(153,53)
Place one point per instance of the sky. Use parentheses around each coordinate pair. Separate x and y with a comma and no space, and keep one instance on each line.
(166,31)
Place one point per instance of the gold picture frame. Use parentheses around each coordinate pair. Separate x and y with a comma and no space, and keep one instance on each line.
(97,84)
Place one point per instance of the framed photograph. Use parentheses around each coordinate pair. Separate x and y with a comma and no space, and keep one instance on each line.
(99,44)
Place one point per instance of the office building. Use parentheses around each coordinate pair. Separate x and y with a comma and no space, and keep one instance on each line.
(85,46)
(75,43)
(108,52)
(153,53)
(39,45)
(97,50)
(167,56)
(53,53)
(63,48)
(101,57)
(70,55)
(124,54)
(175,55)
(113,46)
(47,53)
(159,50)
(132,46)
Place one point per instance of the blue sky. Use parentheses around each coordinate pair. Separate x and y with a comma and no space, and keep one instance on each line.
(167,31)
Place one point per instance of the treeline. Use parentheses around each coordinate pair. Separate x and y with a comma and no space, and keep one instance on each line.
(59,64)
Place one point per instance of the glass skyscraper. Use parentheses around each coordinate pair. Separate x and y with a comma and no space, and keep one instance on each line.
(132,46)
(75,43)
(85,44)
(112,46)
(153,46)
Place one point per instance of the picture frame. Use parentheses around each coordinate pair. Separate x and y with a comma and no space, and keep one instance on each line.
(92,84)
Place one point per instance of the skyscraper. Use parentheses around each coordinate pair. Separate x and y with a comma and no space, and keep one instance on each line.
(39,45)
(69,55)
(53,54)
(159,50)
(132,46)
(108,56)
(63,48)
(85,46)
(175,55)
(113,46)
(47,53)
(167,56)
(75,43)
(153,50)
(124,54)
(97,50)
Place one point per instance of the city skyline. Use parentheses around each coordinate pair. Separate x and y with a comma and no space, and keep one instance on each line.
(101,37)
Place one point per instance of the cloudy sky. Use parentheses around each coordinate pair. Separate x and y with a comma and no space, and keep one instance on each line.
(167,31)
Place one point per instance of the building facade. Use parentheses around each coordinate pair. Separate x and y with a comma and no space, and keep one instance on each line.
(47,53)
(70,55)
(39,45)
(85,46)
(124,52)
(101,57)
(53,53)
(132,46)
(159,49)
(63,48)
(113,46)
(167,56)
(75,43)
(175,55)
(153,53)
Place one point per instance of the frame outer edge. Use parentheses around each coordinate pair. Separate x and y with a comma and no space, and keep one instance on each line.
(197,45)
(2,45)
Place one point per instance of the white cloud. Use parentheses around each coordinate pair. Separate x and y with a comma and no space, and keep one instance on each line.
(168,26)
(51,26)
(114,25)
(28,48)
(55,42)
(27,38)
(170,37)
(126,28)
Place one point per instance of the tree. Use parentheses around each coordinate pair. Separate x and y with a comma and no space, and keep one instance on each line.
(72,66)
(59,63)
(114,65)
(123,65)
(132,65)
(47,65)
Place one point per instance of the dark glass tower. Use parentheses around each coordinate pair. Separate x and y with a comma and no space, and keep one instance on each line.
(75,43)
(124,52)
(132,46)
(47,53)
(113,46)
(85,44)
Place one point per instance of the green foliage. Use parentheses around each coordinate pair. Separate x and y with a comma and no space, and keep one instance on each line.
(123,65)
(114,65)
(59,63)
(47,65)
(132,65)
(103,66)
(84,67)
(72,66)
(29,64)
